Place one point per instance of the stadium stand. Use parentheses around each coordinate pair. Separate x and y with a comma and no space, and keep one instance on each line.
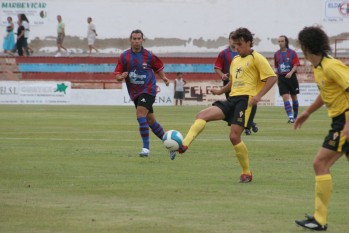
(97,72)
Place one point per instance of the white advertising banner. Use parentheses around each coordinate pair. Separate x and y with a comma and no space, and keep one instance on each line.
(32,92)
(308,93)
(164,96)
(337,11)
(9,92)
(36,11)
(196,93)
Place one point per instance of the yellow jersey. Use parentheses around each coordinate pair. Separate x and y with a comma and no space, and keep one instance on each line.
(246,74)
(332,78)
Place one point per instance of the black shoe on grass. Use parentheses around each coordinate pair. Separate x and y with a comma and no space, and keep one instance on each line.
(254,127)
(311,224)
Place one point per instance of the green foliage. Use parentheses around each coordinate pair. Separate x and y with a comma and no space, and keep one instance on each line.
(76,169)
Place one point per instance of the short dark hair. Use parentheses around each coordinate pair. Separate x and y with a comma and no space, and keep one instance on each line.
(179,73)
(314,40)
(286,40)
(137,31)
(243,33)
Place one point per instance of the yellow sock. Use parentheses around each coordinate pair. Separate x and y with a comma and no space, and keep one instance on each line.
(194,131)
(242,155)
(323,190)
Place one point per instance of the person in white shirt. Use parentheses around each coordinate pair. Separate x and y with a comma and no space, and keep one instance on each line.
(91,35)
(179,88)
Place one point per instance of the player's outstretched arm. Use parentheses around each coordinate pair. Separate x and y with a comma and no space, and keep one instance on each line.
(346,126)
(268,85)
(222,90)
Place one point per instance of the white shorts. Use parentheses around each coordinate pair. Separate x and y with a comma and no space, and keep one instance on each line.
(91,40)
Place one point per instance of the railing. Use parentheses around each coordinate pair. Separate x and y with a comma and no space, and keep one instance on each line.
(341,45)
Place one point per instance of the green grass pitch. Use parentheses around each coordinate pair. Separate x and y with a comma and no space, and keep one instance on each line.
(76,169)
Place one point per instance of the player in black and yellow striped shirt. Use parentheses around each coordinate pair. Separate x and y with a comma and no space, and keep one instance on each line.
(332,78)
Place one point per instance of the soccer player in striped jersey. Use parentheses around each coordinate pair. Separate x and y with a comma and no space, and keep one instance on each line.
(246,71)
(138,66)
(286,63)
(332,78)
(223,61)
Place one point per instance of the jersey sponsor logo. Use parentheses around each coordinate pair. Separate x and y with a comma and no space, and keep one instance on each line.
(285,68)
(344,8)
(136,78)
(237,72)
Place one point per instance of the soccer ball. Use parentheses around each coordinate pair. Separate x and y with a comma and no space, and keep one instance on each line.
(172,140)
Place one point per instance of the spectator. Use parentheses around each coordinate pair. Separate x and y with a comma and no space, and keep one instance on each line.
(91,35)
(9,39)
(60,36)
(179,88)
(25,22)
(20,38)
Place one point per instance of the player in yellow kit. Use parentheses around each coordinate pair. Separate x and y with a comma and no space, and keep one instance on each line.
(332,78)
(246,71)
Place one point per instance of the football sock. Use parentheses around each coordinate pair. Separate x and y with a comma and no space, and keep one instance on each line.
(323,190)
(295,106)
(194,131)
(144,131)
(288,109)
(242,155)
(157,129)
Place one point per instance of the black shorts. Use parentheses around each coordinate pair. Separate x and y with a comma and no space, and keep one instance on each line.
(236,109)
(25,42)
(179,95)
(336,140)
(288,85)
(145,100)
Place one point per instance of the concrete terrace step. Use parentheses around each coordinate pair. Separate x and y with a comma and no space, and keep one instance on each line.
(9,69)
